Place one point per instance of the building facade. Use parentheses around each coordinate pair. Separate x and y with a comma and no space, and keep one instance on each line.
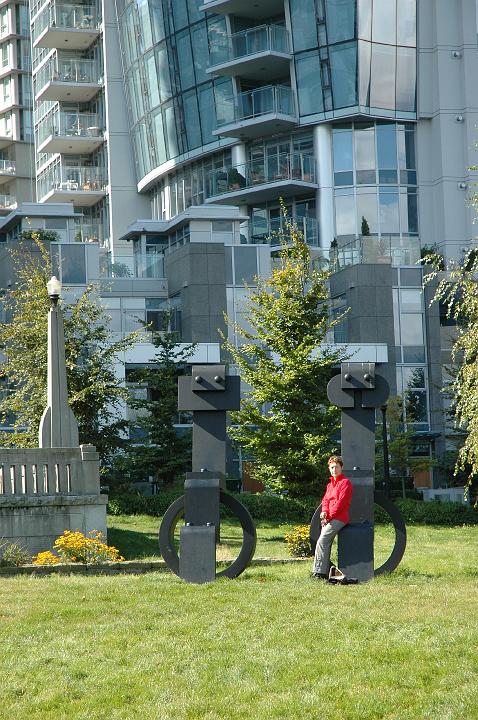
(174,127)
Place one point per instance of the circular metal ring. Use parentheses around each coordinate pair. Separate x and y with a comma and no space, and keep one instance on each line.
(398,523)
(249,536)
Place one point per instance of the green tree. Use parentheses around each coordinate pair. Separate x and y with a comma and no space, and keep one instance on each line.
(96,395)
(286,422)
(163,454)
(458,291)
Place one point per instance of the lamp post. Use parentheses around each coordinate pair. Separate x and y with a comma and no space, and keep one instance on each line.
(58,426)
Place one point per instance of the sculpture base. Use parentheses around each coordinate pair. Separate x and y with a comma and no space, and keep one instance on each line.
(355,551)
(197,562)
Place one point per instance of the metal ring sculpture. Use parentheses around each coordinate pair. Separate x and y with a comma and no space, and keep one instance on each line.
(249,535)
(398,523)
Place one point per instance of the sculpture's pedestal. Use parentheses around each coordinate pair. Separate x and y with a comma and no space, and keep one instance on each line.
(355,551)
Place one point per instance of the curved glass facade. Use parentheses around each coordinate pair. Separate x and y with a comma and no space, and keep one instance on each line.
(355,56)
(171,98)
(375,179)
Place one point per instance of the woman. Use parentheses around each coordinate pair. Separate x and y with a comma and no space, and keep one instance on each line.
(334,515)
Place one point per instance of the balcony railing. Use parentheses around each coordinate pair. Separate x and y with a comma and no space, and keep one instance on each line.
(277,99)
(7,167)
(65,16)
(72,179)
(133,266)
(249,42)
(89,233)
(385,250)
(274,234)
(8,202)
(67,70)
(278,168)
(71,124)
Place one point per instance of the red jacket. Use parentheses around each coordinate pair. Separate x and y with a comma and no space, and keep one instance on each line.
(337,498)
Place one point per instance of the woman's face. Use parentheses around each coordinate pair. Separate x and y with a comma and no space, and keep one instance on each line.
(335,469)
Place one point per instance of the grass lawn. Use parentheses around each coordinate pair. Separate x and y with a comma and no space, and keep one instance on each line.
(271,644)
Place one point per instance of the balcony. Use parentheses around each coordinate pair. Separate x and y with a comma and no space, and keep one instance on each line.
(66,26)
(67,80)
(7,170)
(139,265)
(257,112)
(372,250)
(83,186)
(70,133)
(260,53)
(272,234)
(7,204)
(245,8)
(263,179)
(89,233)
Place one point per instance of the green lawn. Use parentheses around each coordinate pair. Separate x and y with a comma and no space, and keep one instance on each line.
(271,644)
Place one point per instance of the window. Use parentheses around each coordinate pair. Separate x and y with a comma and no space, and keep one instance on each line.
(343,66)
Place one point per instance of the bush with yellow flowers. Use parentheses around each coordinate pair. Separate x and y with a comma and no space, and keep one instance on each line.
(79,548)
(298,541)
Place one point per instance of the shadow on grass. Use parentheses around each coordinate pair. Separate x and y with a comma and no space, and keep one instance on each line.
(134,545)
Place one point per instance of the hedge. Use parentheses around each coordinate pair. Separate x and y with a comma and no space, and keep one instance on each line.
(271,508)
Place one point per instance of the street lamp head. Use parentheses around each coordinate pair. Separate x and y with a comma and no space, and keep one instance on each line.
(53,287)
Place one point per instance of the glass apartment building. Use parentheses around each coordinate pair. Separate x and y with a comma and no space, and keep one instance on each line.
(174,127)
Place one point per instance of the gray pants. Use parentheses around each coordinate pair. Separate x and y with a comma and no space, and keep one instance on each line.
(324,546)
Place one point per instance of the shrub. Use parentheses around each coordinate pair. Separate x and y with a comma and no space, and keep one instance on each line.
(46,558)
(13,554)
(76,547)
(298,541)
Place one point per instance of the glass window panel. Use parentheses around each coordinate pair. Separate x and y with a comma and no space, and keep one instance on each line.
(382,88)
(386,146)
(308,83)
(410,301)
(406,79)
(170,122)
(410,213)
(367,207)
(389,213)
(194,13)
(144,24)
(410,159)
(304,24)
(365,55)
(200,52)
(364,19)
(191,119)
(163,73)
(228,262)
(413,377)
(344,178)
(345,214)
(411,329)
(73,266)
(414,354)
(384,21)
(152,80)
(340,20)
(245,264)
(180,14)
(157,20)
(407,22)
(185,58)
(343,65)
(159,141)
(416,406)
(364,138)
(396,318)
(342,143)
(207,113)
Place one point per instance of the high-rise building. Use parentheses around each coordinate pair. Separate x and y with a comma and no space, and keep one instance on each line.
(174,127)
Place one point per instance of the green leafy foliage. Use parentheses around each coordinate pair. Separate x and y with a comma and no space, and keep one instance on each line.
(444,514)
(286,423)
(96,395)
(163,454)
(458,291)
(297,541)
(13,554)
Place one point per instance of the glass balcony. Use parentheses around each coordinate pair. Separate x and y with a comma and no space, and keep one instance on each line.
(7,204)
(245,8)
(256,181)
(66,26)
(274,234)
(7,170)
(256,112)
(89,233)
(139,265)
(372,250)
(67,80)
(69,132)
(84,186)
(258,53)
